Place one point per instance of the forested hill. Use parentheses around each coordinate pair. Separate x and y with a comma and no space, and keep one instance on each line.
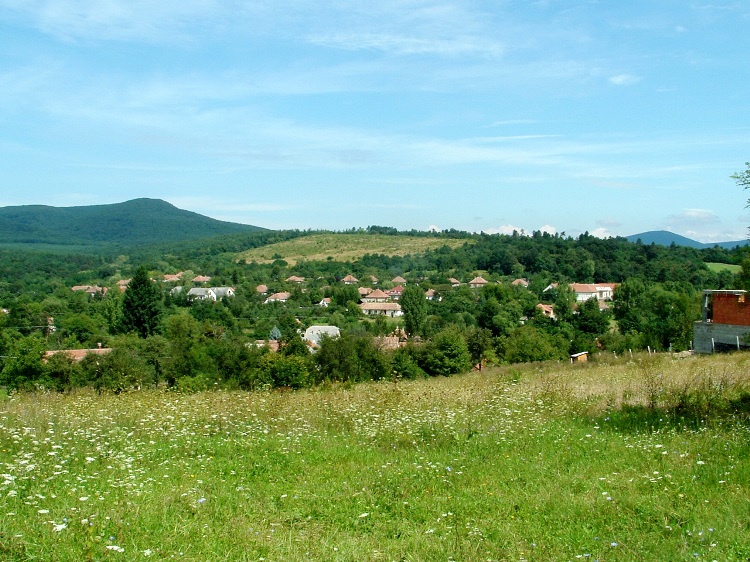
(135,222)
(666,238)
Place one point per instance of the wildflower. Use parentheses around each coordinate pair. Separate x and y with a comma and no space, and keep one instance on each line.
(148,552)
(43,511)
(59,527)
(613,544)
(202,500)
(115,548)
(363,515)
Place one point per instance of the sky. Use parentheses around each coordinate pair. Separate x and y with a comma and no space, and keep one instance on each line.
(568,116)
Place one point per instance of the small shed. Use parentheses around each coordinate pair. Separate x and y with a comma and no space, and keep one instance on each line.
(581,357)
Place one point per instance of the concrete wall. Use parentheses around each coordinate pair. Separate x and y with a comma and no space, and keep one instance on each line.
(724,336)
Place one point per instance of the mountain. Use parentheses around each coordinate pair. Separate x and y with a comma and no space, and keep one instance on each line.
(132,223)
(666,238)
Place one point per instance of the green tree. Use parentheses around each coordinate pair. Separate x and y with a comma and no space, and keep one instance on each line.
(352,357)
(529,343)
(590,319)
(414,305)
(479,342)
(743,178)
(447,354)
(141,305)
(24,367)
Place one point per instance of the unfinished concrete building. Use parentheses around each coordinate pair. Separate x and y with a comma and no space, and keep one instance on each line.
(725,325)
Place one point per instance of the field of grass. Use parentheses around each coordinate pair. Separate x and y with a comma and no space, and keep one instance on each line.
(345,247)
(718,267)
(627,459)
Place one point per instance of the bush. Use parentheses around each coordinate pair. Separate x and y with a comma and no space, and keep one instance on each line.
(447,354)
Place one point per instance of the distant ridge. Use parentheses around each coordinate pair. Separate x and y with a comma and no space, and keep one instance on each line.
(666,238)
(136,222)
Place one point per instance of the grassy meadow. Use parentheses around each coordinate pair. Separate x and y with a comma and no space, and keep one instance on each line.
(623,459)
(345,247)
(719,267)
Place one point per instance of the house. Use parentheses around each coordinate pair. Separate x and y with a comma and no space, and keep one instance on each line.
(430,294)
(272,345)
(373,280)
(598,291)
(395,293)
(390,309)
(375,296)
(326,302)
(222,292)
(454,282)
(388,343)
(725,322)
(77,355)
(398,280)
(364,291)
(122,284)
(350,280)
(521,283)
(314,334)
(547,309)
(478,282)
(172,278)
(201,279)
(262,289)
(90,289)
(201,294)
(278,297)
(295,279)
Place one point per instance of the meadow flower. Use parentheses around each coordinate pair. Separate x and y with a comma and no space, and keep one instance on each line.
(115,548)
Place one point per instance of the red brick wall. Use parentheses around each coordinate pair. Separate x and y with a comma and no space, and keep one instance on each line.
(729,310)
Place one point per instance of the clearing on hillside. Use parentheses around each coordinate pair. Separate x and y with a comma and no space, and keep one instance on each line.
(345,247)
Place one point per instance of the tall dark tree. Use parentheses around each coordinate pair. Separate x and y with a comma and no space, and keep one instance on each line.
(414,306)
(141,305)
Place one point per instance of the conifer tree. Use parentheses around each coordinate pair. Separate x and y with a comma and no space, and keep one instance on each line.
(141,305)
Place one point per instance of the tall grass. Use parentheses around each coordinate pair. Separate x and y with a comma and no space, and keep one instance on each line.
(643,459)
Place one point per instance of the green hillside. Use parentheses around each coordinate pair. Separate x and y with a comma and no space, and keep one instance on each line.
(135,222)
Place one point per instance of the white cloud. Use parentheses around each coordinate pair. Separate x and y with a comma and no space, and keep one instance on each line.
(624,80)
(601,232)
(406,45)
(504,229)
(549,229)
(693,218)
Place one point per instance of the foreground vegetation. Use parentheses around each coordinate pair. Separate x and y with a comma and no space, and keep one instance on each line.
(631,458)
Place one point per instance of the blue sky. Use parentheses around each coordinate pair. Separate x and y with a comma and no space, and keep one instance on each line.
(603,116)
